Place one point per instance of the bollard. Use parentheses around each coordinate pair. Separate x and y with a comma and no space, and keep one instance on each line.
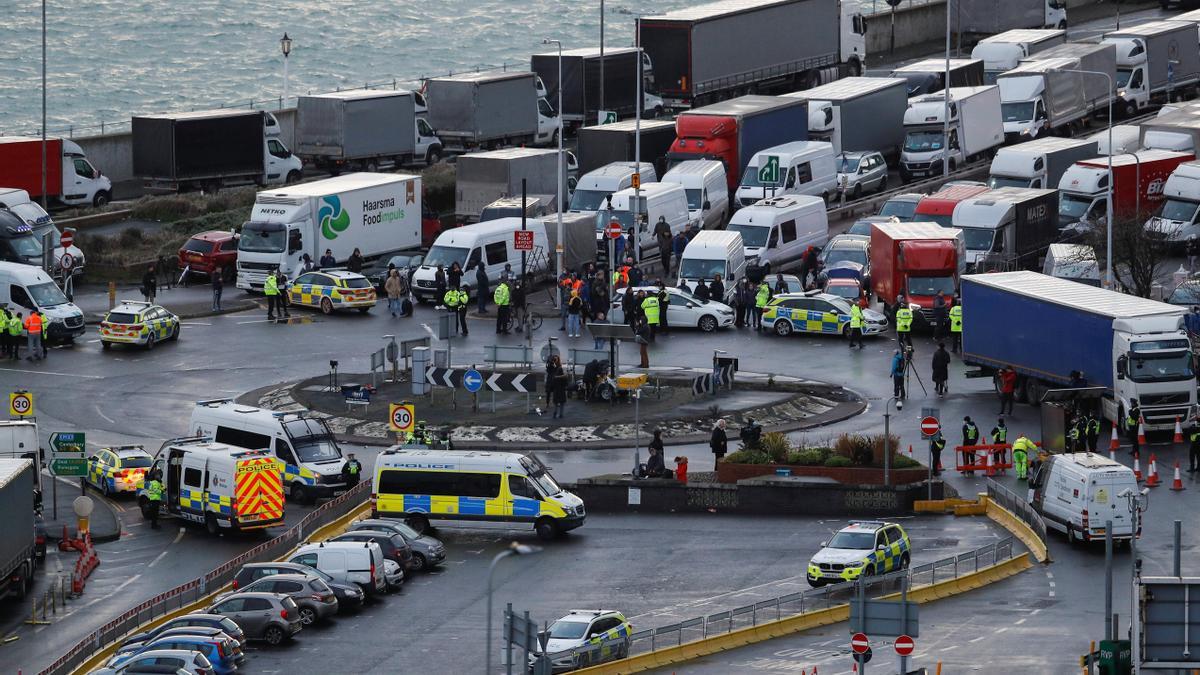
(112,294)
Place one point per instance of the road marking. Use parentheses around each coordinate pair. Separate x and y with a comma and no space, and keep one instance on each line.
(981,637)
(946,649)
(114,591)
(51,372)
(167,550)
(1001,630)
(194,323)
(1018,622)
(92,342)
(101,413)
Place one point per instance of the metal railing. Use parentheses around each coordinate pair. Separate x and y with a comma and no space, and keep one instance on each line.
(789,605)
(191,591)
(1019,507)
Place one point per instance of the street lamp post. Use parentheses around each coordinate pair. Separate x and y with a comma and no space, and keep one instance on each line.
(558,246)
(1108,271)
(285,45)
(945,99)
(637,146)
(601,59)
(44,202)
(887,438)
(513,549)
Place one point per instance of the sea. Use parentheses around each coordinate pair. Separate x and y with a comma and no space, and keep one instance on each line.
(110,59)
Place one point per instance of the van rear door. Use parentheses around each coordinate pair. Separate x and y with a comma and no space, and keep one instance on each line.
(258,492)
(1105,504)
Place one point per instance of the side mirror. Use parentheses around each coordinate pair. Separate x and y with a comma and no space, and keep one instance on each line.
(824,544)
(1122,366)
(707,205)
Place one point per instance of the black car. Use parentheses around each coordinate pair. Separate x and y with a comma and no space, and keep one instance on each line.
(406,263)
(394,546)
(348,595)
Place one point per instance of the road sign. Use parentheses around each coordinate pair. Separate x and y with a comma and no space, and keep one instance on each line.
(67,237)
(472,381)
(71,442)
(614,230)
(401,416)
(606,117)
(859,643)
(67,261)
(768,173)
(67,456)
(905,645)
(69,467)
(636,180)
(930,426)
(523,240)
(20,404)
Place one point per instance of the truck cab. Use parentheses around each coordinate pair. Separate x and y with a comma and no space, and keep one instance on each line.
(1152,362)
(1153,59)
(1138,183)
(925,140)
(1177,220)
(1004,51)
(82,183)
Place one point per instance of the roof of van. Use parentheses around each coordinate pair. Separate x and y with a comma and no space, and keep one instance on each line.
(13,197)
(230,409)
(772,207)
(722,240)
(396,455)
(343,183)
(692,167)
(29,273)
(1093,461)
(650,189)
(934,65)
(796,148)
(614,170)
(483,229)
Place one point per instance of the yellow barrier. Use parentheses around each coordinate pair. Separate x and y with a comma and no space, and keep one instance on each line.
(772,629)
(1006,519)
(98,659)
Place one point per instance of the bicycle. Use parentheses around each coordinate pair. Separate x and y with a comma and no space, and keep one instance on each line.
(525,320)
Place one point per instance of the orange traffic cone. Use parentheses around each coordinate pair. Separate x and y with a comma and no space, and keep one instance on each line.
(1115,443)
(1152,477)
(1177,484)
(1137,468)
(1112,454)
(1178,431)
(1141,431)
(910,450)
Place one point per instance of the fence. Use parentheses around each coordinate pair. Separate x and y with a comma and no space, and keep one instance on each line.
(188,593)
(1018,507)
(786,606)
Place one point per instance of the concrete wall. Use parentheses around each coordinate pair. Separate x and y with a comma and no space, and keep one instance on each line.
(914,25)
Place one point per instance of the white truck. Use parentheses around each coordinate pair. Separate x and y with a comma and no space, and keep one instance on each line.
(1177,220)
(377,213)
(975,17)
(1004,51)
(1007,228)
(1038,163)
(975,128)
(484,177)
(1154,60)
(1178,131)
(490,110)
(364,130)
(70,177)
(1051,94)
(858,113)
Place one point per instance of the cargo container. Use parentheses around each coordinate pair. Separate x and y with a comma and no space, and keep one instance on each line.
(734,131)
(1007,228)
(929,76)
(364,130)
(700,53)
(975,128)
(484,177)
(858,113)
(17,534)
(70,177)
(1135,348)
(917,260)
(986,17)
(1039,163)
(1156,62)
(489,109)
(581,74)
(1138,182)
(1055,92)
(604,144)
(1004,51)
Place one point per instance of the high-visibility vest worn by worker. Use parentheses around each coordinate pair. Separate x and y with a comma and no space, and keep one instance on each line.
(650,307)
(904,318)
(14,325)
(856,316)
(956,319)
(1022,447)
(271,285)
(45,324)
(501,296)
(763,296)
(33,323)
(154,491)
(454,299)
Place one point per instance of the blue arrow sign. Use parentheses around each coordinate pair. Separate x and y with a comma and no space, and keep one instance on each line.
(472,381)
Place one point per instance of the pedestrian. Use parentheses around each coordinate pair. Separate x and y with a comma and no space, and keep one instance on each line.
(664,307)
(683,286)
(781,286)
(599,343)
(574,315)
(327,261)
(556,389)
(306,264)
(599,300)
(285,300)
(662,235)
(718,442)
(761,297)
(628,300)
(1133,420)
(1022,447)
(716,290)
(678,244)
(1008,384)
(392,288)
(453,300)
(1093,431)
(897,374)
(501,298)
(1193,250)
(999,436)
(149,284)
(1194,450)
(939,314)
(702,292)
(355,262)
(936,444)
(5,343)
(33,334)
(483,286)
(856,326)
(804,268)
(904,319)
(813,261)
(956,324)
(464,302)
(15,322)
(970,436)
(439,284)
(656,466)
(642,336)
(271,291)
(751,434)
(218,285)
(1075,435)
(45,334)
(635,274)
(351,471)
(154,489)
(941,368)
(651,310)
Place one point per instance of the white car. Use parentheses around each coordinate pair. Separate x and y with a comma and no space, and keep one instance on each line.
(393,574)
(861,171)
(684,310)
(177,661)
(606,631)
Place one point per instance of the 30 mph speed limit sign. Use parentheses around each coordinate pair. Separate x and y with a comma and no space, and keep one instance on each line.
(401,417)
(20,404)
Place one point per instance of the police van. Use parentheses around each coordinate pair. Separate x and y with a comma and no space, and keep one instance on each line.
(216,485)
(311,457)
(481,487)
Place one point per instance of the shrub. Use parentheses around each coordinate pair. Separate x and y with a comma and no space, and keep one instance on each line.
(877,445)
(904,462)
(809,456)
(838,461)
(747,457)
(856,448)
(776,445)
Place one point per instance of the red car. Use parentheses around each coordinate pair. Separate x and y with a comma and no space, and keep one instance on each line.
(207,251)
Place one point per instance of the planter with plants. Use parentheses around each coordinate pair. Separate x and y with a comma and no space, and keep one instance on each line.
(850,458)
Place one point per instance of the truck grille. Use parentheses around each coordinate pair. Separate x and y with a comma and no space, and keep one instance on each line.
(265,267)
(1164,415)
(1165,399)
(917,166)
(73,321)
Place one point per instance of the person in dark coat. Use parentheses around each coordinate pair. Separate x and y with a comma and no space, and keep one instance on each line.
(941,369)
(662,235)
(635,273)
(454,276)
(483,286)
(439,284)
(716,289)
(745,299)
(149,284)
(355,262)
(940,309)
(628,302)
(702,291)
(656,466)
(718,442)
(598,304)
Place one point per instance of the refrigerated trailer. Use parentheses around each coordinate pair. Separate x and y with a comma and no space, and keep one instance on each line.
(987,17)
(604,144)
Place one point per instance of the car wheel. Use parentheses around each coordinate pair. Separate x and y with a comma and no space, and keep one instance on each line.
(273,635)
(104,489)
(816,583)
(883,183)
(707,323)
(418,523)
(419,562)
(783,328)
(210,524)
(363,310)
(299,494)
(150,340)
(308,616)
(546,529)
(105,345)
(857,191)
(175,333)
(904,561)
(326,306)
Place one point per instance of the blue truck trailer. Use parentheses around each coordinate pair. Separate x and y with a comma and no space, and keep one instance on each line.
(1044,328)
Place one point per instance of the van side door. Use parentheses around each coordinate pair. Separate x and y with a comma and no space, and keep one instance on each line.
(523,502)
(191,491)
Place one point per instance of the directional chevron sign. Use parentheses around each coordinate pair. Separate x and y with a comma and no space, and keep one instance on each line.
(524,383)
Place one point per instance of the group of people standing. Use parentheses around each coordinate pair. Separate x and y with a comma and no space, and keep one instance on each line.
(33,326)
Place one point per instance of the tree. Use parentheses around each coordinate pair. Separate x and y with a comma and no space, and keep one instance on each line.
(1138,255)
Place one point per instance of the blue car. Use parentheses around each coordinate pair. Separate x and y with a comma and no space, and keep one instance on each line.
(219,651)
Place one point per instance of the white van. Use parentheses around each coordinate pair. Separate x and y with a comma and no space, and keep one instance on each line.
(311,457)
(31,212)
(594,187)
(350,562)
(491,242)
(658,200)
(1076,262)
(713,252)
(1076,493)
(703,181)
(25,287)
(19,440)
(805,168)
(777,231)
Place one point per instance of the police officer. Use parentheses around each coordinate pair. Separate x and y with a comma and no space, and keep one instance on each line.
(970,434)
(502,297)
(5,343)
(271,290)
(1132,420)
(936,444)
(651,309)
(351,471)
(904,319)
(1022,447)
(154,489)
(761,297)
(1073,435)
(956,319)
(45,334)
(456,300)
(1194,450)
(1093,431)
(281,282)
(856,325)
(999,436)
(14,335)
(663,304)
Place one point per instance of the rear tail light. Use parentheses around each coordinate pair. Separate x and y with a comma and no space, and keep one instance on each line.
(372,570)
(221,649)
(234,584)
(283,614)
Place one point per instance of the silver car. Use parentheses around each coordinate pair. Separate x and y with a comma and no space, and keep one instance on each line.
(861,171)
(427,551)
(314,598)
(176,661)
(270,617)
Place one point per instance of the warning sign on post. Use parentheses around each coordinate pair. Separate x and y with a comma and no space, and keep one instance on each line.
(20,404)
(401,417)
(523,240)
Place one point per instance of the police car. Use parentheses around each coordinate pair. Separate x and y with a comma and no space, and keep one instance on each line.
(817,312)
(331,290)
(595,635)
(138,323)
(864,547)
(119,469)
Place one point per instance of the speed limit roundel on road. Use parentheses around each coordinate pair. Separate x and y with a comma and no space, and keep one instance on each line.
(401,417)
(20,404)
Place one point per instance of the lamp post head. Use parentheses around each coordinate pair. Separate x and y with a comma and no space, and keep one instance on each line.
(285,45)
(523,549)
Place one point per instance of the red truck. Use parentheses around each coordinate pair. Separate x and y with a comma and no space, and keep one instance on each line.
(1138,182)
(916,259)
(939,206)
(70,177)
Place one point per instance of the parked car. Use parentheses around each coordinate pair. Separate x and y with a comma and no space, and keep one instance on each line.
(862,226)
(173,661)
(393,575)
(360,564)
(849,289)
(393,545)
(581,627)
(847,248)
(427,551)
(860,171)
(269,617)
(684,310)
(314,598)
(208,251)
(192,631)
(199,620)
(817,313)
(218,650)
(901,206)
(1186,294)
(349,596)
(406,263)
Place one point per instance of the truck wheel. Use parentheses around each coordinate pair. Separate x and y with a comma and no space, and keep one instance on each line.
(298,494)
(1130,109)
(210,524)
(434,155)
(102,197)
(24,582)
(293,176)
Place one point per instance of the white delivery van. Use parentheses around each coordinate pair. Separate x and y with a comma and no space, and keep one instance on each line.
(490,242)
(311,457)
(803,168)
(25,287)
(1076,493)
(657,200)
(703,181)
(710,253)
(349,562)
(31,212)
(777,231)
(594,187)
(1076,262)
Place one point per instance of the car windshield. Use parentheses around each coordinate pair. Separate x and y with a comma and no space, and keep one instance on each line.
(603,218)
(1185,294)
(1006,181)
(945,220)
(753,236)
(923,141)
(897,208)
(1166,367)
(568,630)
(404,529)
(848,164)
(262,238)
(546,482)
(978,239)
(848,291)
(930,286)
(446,256)
(854,540)
(27,246)
(831,256)
(46,294)
(1020,111)
(1123,75)
(1175,209)
(136,462)
(588,200)
(695,199)
(750,178)
(401,261)
(357,282)
(861,228)
(198,246)
(317,450)
(700,268)
(1072,207)
(42,230)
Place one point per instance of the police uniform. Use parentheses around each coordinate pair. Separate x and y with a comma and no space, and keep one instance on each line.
(761,297)
(1021,449)
(502,298)
(904,319)
(1194,451)
(456,301)
(856,325)
(351,472)
(956,319)
(1093,432)
(154,496)
(14,336)
(651,309)
(1000,437)
(271,290)
(1132,420)
(970,434)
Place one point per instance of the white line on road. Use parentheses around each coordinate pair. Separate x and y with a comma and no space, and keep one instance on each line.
(946,649)
(194,323)
(101,413)
(1018,622)
(114,591)
(50,372)
(167,550)
(981,637)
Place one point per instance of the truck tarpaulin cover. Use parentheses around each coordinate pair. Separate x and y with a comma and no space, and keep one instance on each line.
(198,145)
(990,17)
